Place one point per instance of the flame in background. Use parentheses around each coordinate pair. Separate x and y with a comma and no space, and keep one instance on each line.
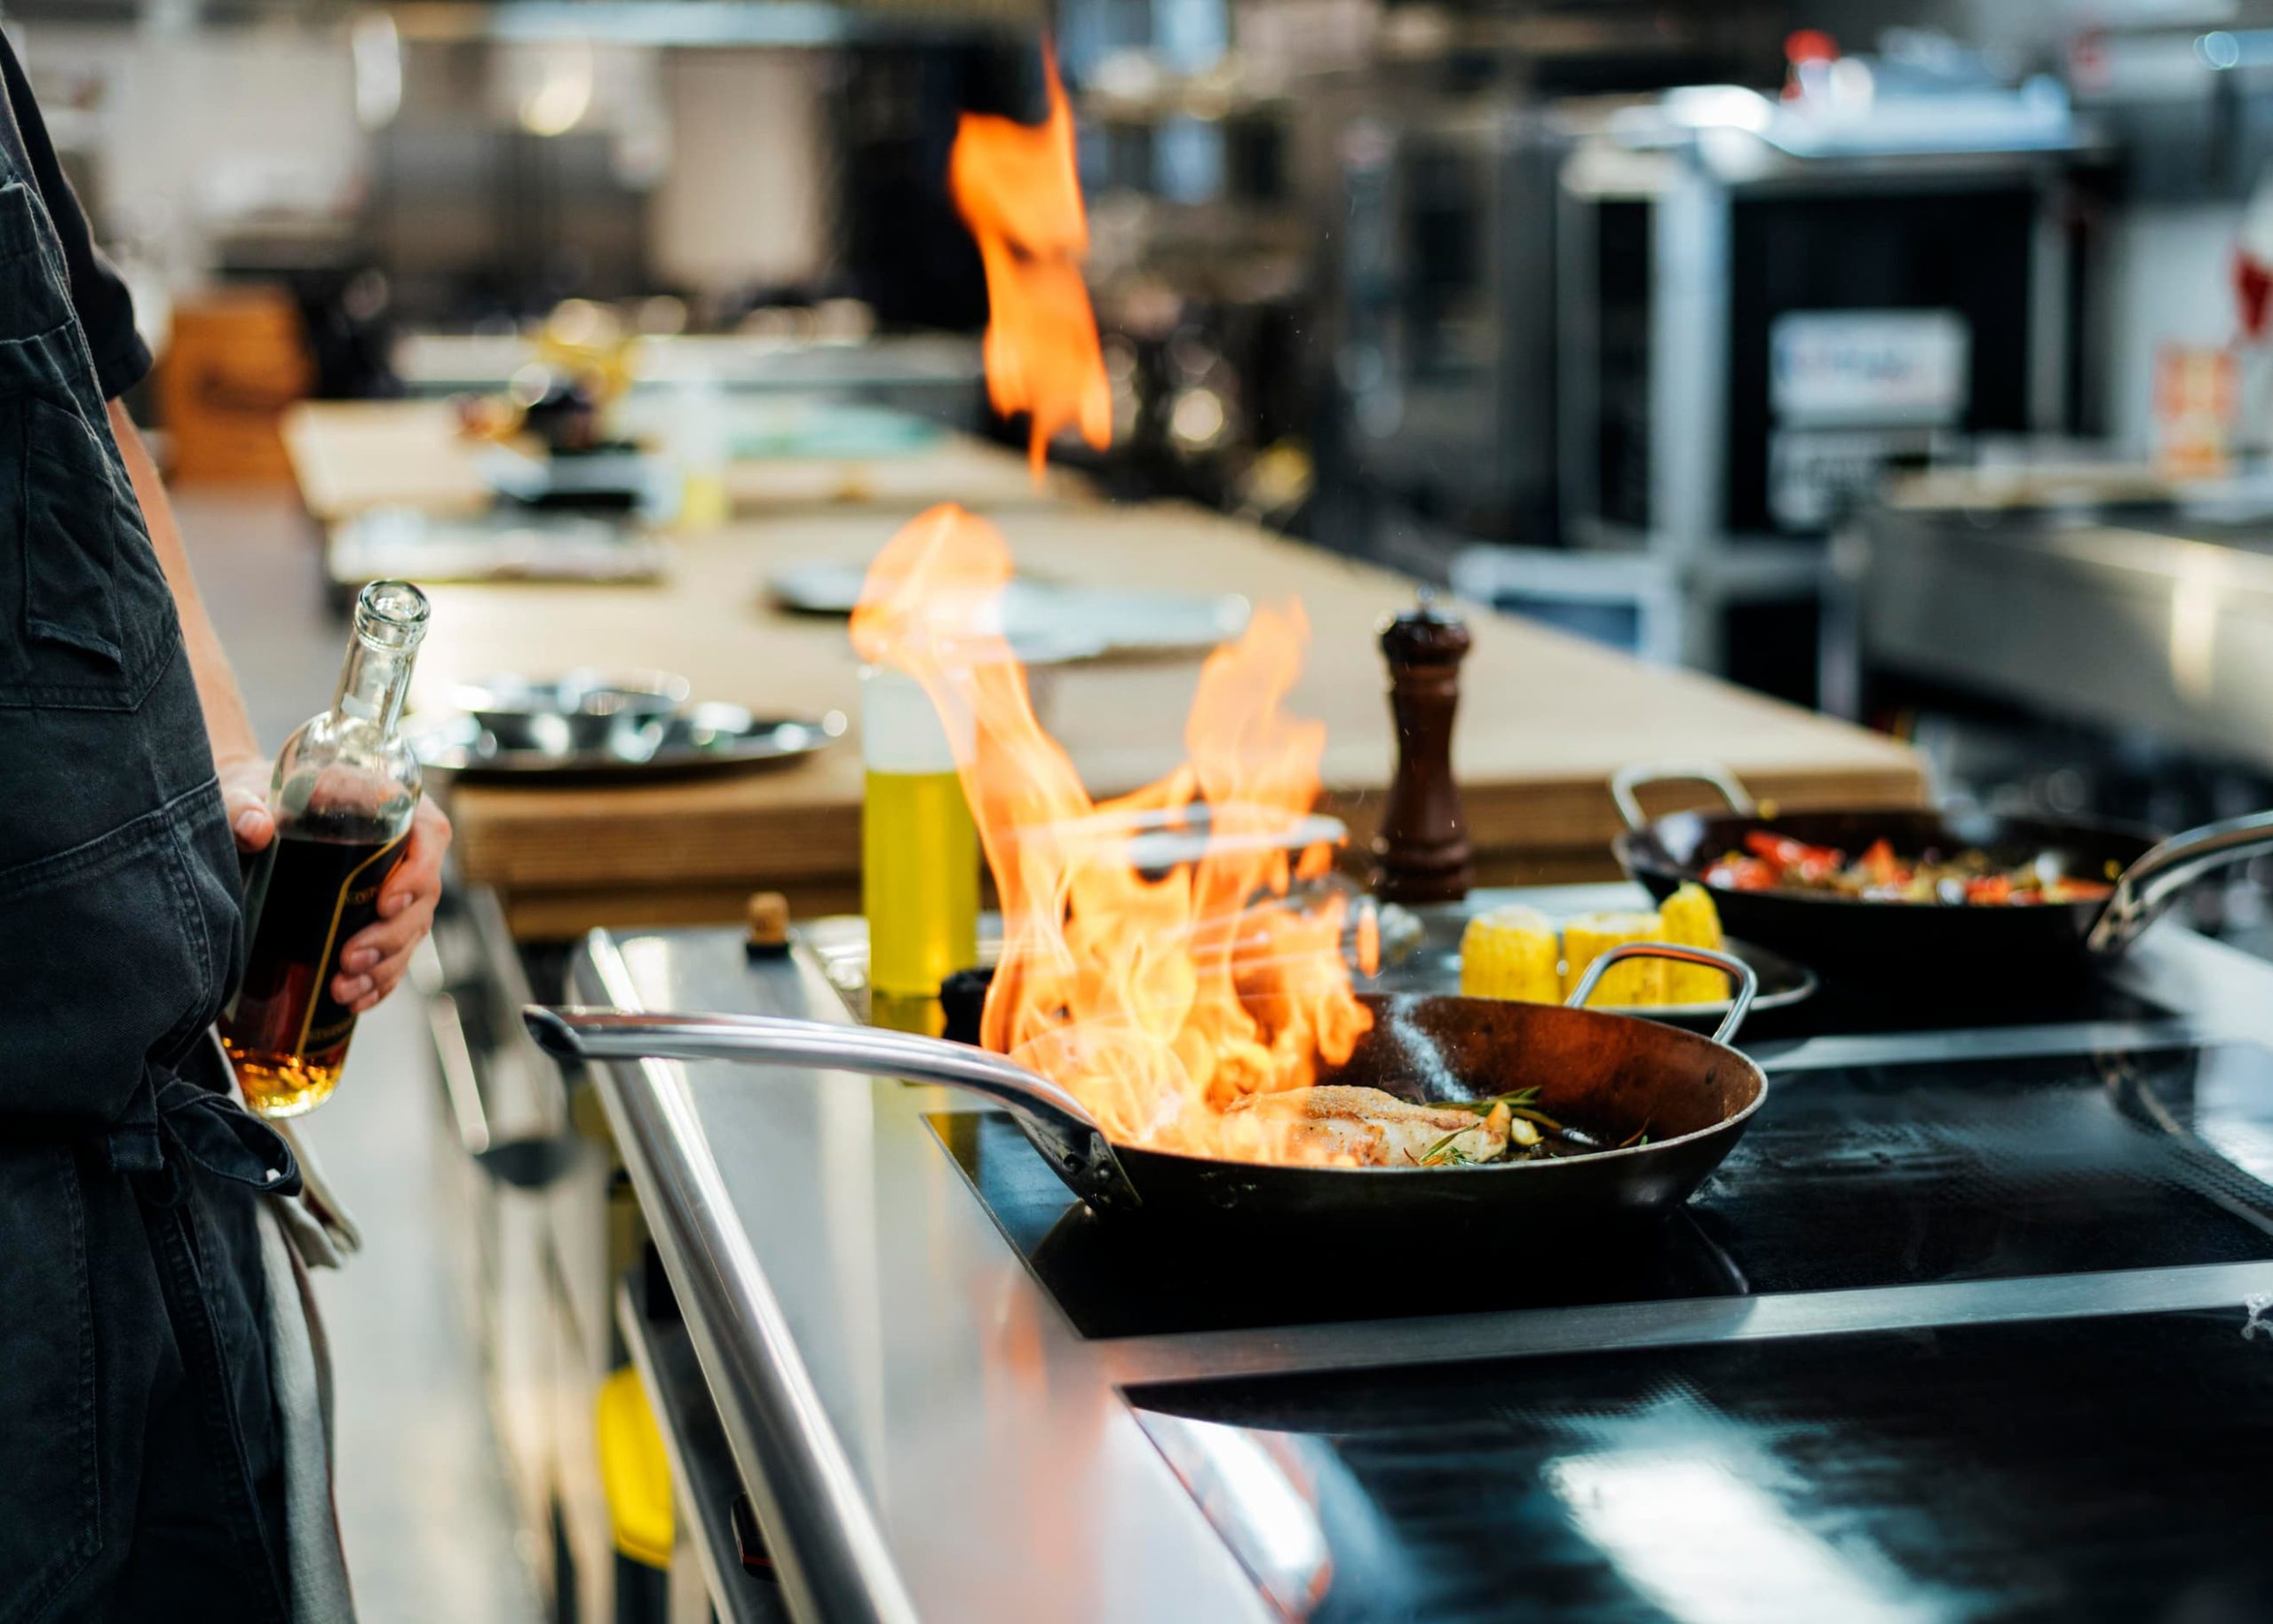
(1159,1000)
(1016,188)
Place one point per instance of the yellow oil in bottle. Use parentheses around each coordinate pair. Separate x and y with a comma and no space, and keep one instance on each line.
(919,881)
(919,850)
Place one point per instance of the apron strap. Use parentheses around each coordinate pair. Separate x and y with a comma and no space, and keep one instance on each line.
(206,1127)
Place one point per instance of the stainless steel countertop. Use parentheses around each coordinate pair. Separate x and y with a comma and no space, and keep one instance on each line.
(923,1432)
(2163,629)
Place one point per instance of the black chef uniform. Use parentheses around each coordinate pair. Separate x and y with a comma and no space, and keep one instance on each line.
(140,1448)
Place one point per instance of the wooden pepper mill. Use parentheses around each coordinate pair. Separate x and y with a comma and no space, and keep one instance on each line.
(1420,851)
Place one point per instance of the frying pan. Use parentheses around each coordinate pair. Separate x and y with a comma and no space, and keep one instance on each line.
(1923,937)
(1617,1076)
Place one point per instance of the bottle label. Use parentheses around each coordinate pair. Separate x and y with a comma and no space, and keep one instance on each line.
(309,898)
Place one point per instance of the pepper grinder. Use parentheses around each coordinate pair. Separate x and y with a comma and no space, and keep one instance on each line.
(1420,851)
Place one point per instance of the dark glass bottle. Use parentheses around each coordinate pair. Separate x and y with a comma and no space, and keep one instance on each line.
(345,789)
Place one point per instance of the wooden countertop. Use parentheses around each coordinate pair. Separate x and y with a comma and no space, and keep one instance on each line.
(348,455)
(1545,718)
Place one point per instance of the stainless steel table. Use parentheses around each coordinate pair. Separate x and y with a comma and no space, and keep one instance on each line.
(2162,627)
(927,1434)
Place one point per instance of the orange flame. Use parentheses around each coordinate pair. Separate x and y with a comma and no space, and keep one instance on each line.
(1158,1000)
(1016,188)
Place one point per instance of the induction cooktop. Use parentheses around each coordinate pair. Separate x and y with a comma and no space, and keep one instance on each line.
(1851,1177)
(2046,1469)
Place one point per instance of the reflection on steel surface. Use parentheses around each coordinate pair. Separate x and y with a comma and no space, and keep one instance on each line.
(1691,1519)
(1260,1492)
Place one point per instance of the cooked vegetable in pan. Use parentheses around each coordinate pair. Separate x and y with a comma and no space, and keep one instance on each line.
(1770,861)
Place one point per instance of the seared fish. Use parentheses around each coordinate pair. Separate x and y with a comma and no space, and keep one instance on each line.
(1338,1122)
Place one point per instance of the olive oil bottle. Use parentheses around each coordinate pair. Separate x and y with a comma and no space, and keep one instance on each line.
(345,789)
(919,852)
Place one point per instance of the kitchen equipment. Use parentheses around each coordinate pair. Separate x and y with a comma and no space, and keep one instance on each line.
(1422,852)
(608,476)
(583,710)
(1673,338)
(1924,1189)
(2016,942)
(702,739)
(1622,1078)
(1064,621)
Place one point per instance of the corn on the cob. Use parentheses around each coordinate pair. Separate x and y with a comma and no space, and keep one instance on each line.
(1691,920)
(1509,953)
(1587,937)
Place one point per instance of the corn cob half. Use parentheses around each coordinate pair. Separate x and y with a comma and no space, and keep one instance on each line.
(1689,920)
(1509,953)
(1587,937)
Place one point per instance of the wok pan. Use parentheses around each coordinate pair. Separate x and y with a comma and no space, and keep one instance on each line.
(1616,1076)
(2035,939)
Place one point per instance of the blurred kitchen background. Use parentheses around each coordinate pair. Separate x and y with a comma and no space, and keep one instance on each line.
(1616,314)
(1879,354)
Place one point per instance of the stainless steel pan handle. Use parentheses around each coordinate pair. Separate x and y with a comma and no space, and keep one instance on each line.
(2151,881)
(1052,1117)
(1626,781)
(1747,982)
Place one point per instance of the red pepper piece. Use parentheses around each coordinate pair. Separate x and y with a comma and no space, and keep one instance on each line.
(1743,873)
(1880,868)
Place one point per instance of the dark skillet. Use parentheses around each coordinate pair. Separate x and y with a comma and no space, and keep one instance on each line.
(1926,939)
(1615,1077)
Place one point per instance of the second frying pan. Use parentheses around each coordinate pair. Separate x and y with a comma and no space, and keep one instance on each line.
(1925,938)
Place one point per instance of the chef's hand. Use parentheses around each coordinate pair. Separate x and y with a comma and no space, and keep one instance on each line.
(244,793)
(378,956)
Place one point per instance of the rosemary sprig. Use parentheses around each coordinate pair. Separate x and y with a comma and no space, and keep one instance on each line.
(1445,1153)
(1485,1106)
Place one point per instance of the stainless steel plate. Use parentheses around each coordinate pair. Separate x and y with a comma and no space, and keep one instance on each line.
(1420,953)
(841,945)
(1050,615)
(702,739)
(1783,982)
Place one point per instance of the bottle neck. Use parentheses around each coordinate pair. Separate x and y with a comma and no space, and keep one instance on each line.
(375,681)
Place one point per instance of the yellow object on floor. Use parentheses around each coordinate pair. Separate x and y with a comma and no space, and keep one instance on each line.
(1510,952)
(1587,937)
(1689,920)
(635,1471)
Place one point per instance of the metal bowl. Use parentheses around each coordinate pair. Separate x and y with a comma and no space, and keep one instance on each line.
(580,713)
(700,739)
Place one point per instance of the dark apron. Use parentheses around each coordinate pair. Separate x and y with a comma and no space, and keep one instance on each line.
(140,1453)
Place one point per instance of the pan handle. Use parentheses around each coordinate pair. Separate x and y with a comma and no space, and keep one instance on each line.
(1051,1116)
(1747,981)
(2151,881)
(1626,781)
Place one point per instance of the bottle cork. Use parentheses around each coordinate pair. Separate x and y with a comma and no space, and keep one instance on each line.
(767,914)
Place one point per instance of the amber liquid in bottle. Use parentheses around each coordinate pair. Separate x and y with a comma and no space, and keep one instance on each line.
(347,789)
(313,890)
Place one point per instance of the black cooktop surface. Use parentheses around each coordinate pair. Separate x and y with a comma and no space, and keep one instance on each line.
(1849,1177)
(1844,1005)
(2050,1469)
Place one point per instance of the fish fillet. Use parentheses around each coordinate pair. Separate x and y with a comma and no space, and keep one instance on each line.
(1341,1122)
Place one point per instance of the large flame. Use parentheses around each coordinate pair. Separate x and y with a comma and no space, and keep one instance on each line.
(1016,188)
(1159,1000)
